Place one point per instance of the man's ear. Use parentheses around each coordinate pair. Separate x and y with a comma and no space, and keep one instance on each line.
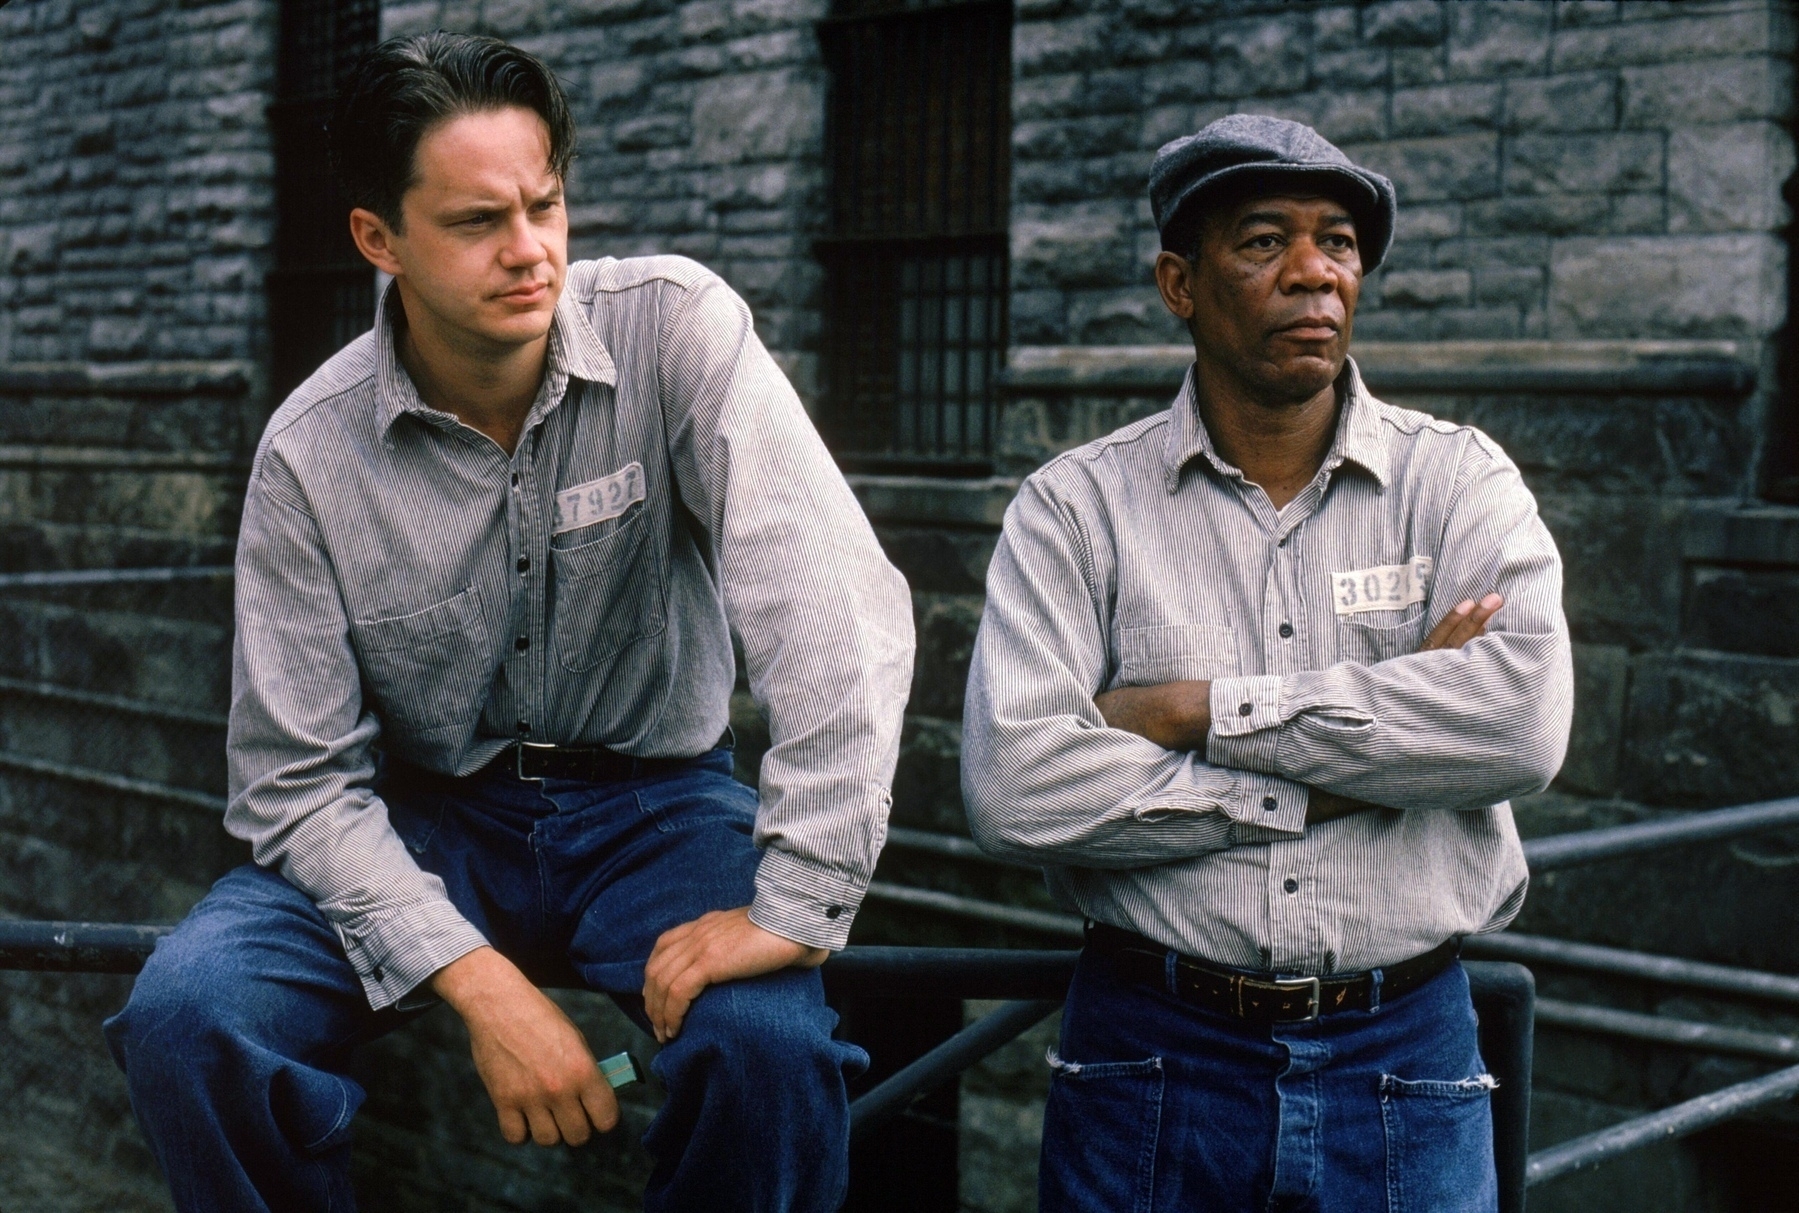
(374,240)
(1174,278)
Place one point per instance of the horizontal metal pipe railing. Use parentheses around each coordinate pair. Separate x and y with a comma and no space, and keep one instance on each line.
(1681,1120)
(1620,962)
(1641,837)
(59,578)
(1661,1030)
(946,1061)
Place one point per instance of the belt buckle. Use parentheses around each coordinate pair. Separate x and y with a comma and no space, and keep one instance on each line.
(1291,984)
(519,759)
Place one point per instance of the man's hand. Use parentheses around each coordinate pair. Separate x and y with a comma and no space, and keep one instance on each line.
(535,1063)
(717,947)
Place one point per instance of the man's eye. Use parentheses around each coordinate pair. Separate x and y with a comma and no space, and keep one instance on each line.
(1264,242)
(477,220)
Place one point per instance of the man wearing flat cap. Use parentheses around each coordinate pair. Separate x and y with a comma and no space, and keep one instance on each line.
(1256,679)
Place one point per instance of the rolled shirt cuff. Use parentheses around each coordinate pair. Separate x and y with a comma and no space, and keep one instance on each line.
(397,948)
(805,901)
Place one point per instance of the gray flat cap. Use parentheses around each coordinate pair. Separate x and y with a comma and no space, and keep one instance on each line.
(1248,150)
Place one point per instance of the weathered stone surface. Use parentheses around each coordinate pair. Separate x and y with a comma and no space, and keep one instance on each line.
(946,625)
(1425,288)
(1403,23)
(1582,101)
(1727,30)
(1743,611)
(1711,729)
(1548,214)
(1623,577)
(1583,164)
(1728,178)
(927,787)
(1257,55)
(1705,91)
(1498,39)
(764,116)
(1435,169)
(1601,680)
(1445,109)
(1689,286)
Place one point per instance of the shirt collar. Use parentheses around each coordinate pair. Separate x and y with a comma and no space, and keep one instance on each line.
(1358,439)
(576,352)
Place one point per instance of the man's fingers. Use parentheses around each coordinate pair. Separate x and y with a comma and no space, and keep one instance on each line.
(601,1105)
(1467,621)
(680,998)
(543,1125)
(571,1119)
(512,1125)
(1446,626)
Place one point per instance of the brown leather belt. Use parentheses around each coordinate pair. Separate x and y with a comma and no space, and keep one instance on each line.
(1260,998)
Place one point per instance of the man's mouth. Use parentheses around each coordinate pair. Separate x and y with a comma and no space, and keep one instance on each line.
(529,293)
(1311,328)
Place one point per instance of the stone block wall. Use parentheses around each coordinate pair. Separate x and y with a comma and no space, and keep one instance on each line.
(1564,170)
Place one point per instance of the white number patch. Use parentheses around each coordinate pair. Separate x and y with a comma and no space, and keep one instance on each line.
(1390,587)
(598,500)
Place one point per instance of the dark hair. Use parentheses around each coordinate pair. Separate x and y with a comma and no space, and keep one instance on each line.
(405,86)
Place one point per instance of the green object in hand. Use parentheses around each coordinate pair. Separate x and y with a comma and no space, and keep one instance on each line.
(620,1070)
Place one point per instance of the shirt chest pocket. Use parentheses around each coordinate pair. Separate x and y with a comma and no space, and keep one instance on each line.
(1179,652)
(1380,635)
(427,669)
(608,593)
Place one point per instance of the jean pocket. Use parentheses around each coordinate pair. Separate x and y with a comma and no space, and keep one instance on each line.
(1100,1131)
(1439,1137)
(689,799)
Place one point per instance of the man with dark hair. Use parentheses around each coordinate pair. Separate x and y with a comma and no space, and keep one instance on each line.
(492,557)
(1255,680)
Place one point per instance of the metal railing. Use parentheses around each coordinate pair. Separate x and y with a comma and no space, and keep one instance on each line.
(1033,981)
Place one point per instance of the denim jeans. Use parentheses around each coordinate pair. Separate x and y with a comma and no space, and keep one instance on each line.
(237,1036)
(1157,1105)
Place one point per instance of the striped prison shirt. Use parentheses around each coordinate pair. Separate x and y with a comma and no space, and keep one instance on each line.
(1145,558)
(403,583)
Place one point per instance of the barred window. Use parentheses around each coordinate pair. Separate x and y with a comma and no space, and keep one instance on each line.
(919,132)
(321,291)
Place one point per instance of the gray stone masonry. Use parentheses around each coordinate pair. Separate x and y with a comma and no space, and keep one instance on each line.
(1564,171)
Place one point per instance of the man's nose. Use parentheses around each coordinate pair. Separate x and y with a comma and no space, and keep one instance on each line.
(522,248)
(1307,268)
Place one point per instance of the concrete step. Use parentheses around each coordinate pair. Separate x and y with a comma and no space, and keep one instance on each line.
(196,501)
(184,749)
(38,545)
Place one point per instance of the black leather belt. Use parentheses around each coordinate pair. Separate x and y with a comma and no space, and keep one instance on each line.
(1259,998)
(586,763)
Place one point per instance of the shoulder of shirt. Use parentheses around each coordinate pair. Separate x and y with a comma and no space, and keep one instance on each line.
(1423,430)
(1082,464)
(337,381)
(611,275)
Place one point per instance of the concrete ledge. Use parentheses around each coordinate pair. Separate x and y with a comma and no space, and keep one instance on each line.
(1705,368)
(224,378)
(934,501)
(1730,533)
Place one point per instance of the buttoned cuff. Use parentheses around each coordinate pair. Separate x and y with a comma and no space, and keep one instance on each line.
(1246,719)
(396,948)
(1265,802)
(807,902)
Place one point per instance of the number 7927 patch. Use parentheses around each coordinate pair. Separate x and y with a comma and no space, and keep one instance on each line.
(598,500)
(1389,587)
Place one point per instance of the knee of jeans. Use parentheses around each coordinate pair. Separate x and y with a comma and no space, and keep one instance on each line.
(768,1028)
(173,1011)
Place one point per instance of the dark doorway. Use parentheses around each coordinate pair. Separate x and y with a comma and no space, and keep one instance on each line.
(919,136)
(321,291)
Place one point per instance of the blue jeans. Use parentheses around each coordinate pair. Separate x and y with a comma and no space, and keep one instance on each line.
(236,1039)
(1157,1105)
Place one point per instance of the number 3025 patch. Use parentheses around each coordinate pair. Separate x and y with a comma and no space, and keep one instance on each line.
(1389,587)
(598,500)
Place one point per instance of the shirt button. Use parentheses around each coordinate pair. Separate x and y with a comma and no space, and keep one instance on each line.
(1244,709)
(1270,804)
(833,911)
(524,564)
(524,728)
(1292,886)
(376,973)
(515,480)
(1286,631)
(522,643)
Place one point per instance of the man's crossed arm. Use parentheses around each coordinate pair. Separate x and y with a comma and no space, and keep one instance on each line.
(1178,715)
